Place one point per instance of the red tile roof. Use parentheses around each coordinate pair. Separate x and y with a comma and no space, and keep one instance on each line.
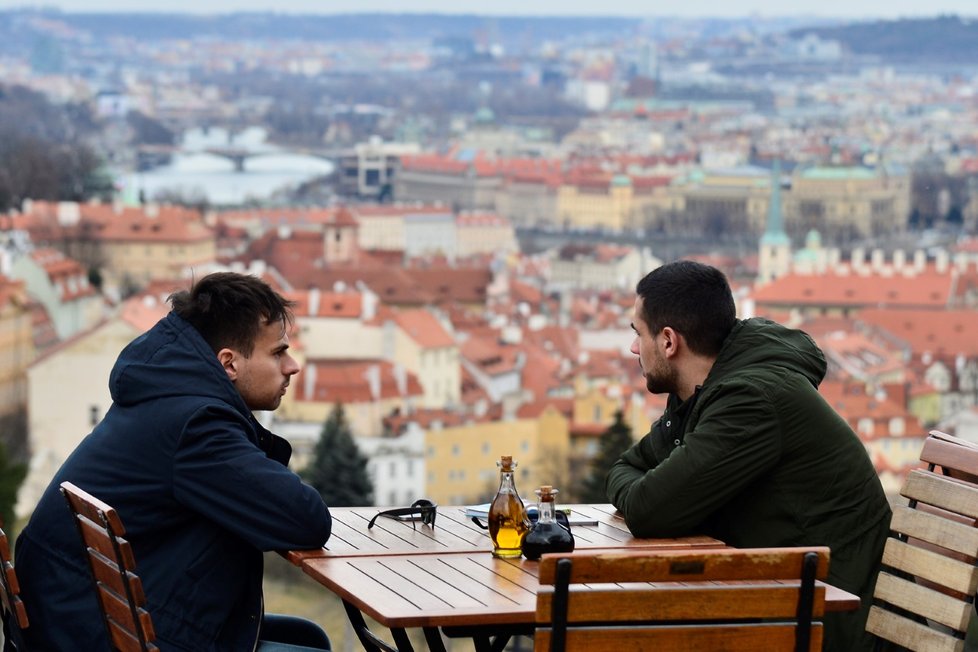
(929,289)
(424,328)
(347,381)
(939,332)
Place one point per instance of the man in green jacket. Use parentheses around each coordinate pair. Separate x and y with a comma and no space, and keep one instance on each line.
(747,450)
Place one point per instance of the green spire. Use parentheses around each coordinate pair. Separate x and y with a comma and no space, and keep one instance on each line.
(774,233)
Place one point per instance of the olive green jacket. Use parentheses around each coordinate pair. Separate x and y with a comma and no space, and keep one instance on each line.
(757,458)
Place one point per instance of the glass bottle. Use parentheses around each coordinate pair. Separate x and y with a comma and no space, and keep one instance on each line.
(508,522)
(547,535)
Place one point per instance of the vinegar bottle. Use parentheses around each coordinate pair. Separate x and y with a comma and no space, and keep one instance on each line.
(508,522)
(547,535)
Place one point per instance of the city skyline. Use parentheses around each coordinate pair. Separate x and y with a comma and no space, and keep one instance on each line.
(693,8)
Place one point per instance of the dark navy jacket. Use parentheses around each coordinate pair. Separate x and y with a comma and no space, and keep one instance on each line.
(201,488)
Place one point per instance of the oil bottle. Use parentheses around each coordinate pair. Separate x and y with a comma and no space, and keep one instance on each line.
(508,522)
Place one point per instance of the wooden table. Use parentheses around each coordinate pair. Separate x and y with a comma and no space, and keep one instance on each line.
(444,580)
(455,532)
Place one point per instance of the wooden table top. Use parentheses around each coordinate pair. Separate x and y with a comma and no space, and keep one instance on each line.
(451,589)
(455,532)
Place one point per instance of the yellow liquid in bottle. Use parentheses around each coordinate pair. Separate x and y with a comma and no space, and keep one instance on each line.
(507,525)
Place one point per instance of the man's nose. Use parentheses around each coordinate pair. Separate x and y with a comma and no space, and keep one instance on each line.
(291,367)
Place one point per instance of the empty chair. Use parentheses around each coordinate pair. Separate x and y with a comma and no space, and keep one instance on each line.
(727,599)
(14,612)
(120,593)
(924,596)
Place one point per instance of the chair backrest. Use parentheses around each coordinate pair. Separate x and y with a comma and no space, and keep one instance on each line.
(120,592)
(14,612)
(957,458)
(748,599)
(925,592)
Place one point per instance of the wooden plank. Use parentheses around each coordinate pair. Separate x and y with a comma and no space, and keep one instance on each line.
(933,566)
(943,492)
(671,566)
(913,635)
(673,601)
(931,528)
(923,601)
(954,455)
(736,638)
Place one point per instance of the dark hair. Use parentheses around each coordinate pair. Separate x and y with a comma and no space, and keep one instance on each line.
(228,309)
(692,298)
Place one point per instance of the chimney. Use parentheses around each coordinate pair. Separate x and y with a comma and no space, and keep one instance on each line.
(309,384)
(373,380)
(284,232)
(899,259)
(400,377)
(941,261)
(69,213)
(858,257)
(919,260)
(876,258)
(314,297)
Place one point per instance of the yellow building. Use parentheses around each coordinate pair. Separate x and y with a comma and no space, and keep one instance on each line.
(16,345)
(461,461)
(602,201)
(847,202)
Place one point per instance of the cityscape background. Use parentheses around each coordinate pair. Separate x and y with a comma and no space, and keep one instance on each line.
(460,204)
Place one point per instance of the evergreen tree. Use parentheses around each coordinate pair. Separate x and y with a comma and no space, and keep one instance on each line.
(11,475)
(614,441)
(338,469)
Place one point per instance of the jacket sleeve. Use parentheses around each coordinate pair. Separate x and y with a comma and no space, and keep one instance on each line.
(735,440)
(226,478)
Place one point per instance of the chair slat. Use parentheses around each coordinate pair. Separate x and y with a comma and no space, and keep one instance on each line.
(931,528)
(671,600)
(119,590)
(10,587)
(728,638)
(943,492)
(683,565)
(951,454)
(126,642)
(678,602)
(108,573)
(99,538)
(913,635)
(923,601)
(956,575)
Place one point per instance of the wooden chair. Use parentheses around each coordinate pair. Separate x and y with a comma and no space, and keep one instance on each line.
(14,612)
(924,596)
(718,600)
(120,592)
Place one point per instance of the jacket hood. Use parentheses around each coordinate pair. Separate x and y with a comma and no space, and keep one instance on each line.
(762,343)
(171,359)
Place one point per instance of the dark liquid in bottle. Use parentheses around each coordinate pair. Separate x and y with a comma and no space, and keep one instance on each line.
(546,537)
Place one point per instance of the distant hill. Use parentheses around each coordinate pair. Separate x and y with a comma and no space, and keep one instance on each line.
(945,39)
(365,26)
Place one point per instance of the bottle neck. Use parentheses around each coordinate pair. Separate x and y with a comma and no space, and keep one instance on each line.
(506,483)
(546,511)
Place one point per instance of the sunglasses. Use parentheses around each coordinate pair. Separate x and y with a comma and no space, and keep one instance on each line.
(423,508)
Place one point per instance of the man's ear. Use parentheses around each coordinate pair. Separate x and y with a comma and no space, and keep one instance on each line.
(670,341)
(228,360)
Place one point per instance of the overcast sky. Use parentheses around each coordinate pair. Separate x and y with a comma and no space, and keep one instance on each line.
(721,8)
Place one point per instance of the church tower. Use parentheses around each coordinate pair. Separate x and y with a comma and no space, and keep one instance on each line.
(774,260)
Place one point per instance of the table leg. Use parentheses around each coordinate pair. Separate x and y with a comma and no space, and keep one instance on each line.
(433,637)
(369,640)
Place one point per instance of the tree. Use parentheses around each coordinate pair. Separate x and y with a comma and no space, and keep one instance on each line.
(11,475)
(338,469)
(615,441)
